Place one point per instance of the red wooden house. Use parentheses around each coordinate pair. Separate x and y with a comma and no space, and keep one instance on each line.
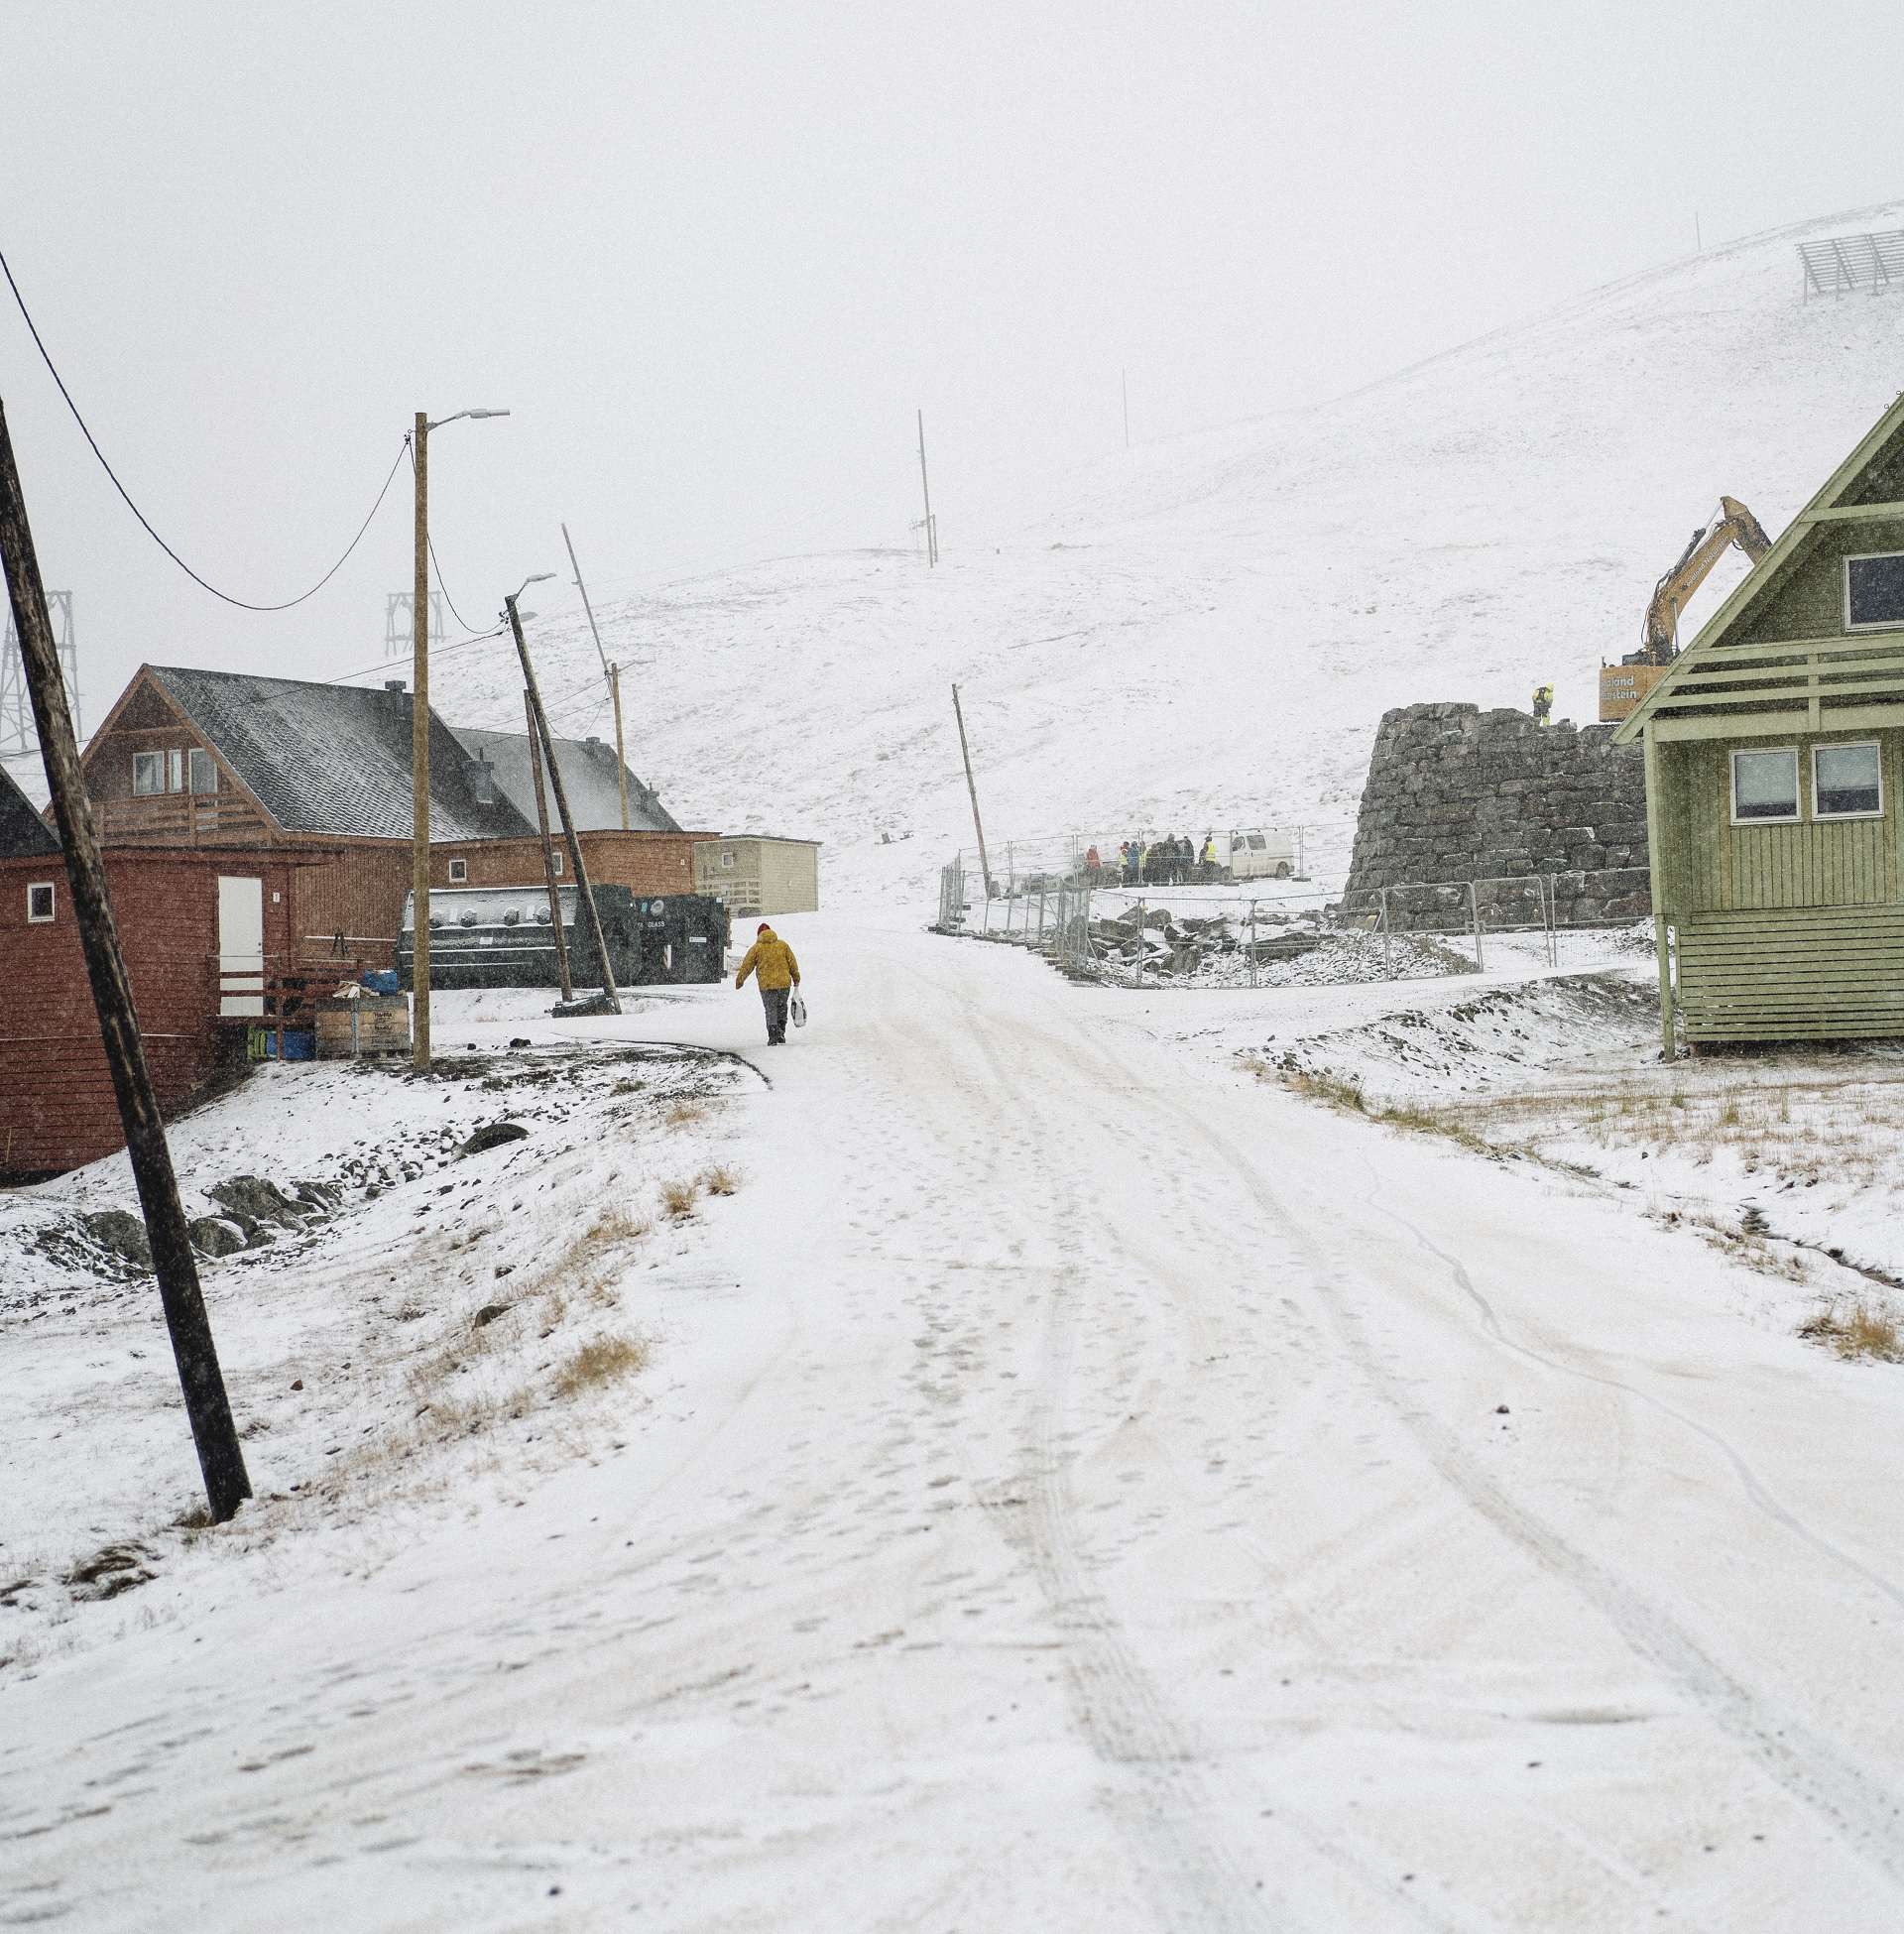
(257,834)
(57,1104)
(319,777)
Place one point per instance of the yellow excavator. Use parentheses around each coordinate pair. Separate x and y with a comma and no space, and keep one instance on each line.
(1624,685)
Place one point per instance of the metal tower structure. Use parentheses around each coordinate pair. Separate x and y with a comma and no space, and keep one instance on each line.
(18,738)
(399,628)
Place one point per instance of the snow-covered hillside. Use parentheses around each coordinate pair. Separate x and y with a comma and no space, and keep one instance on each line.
(1209,629)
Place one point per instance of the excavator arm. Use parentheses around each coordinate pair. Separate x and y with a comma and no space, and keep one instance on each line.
(1735,524)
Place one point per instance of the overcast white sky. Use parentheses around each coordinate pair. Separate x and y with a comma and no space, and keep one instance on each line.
(713,257)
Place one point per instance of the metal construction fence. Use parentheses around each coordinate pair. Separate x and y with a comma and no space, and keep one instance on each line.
(1223,935)
(1265,849)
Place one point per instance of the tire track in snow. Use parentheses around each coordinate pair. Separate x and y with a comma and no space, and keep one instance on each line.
(1807,1766)
(1804,1764)
(1197,1881)
(1749,1482)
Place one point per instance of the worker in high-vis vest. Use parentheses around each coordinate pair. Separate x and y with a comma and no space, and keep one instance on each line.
(1543,703)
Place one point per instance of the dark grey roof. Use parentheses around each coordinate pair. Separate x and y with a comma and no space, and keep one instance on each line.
(588,777)
(334,759)
(24,835)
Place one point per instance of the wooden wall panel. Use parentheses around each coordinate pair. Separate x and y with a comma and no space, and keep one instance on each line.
(1806,974)
(1809,862)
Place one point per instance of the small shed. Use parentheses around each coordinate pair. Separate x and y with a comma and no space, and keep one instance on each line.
(1774,755)
(755,876)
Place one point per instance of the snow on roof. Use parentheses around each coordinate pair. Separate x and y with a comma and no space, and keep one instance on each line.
(588,777)
(335,759)
(24,835)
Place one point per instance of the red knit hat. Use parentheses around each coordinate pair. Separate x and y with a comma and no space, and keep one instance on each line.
(764,928)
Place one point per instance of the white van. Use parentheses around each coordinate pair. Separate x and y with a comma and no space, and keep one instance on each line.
(1261,853)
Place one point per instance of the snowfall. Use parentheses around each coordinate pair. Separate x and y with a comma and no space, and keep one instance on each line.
(1027,1454)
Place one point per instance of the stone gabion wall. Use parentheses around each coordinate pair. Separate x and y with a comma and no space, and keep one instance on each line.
(1457,795)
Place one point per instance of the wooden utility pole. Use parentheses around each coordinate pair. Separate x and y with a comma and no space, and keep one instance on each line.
(965,752)
(220,1458)
(419,733)
(612,673)
(620,754)
(539,723)
(419,759)
(549,851)
(931,528)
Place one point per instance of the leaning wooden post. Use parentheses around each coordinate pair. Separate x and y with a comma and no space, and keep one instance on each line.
(220,1458)
(971,785)
(539,718)
(1656,864)
(548,852)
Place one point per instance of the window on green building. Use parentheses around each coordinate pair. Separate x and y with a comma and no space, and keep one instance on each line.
(1847,781)
(1874,590)
(1765,785)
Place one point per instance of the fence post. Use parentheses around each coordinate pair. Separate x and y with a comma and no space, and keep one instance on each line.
(1473,915)
(1253,943)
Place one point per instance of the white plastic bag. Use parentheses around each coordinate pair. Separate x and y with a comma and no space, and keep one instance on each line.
(796,1010)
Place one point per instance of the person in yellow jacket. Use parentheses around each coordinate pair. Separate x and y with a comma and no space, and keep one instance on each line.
(777,974)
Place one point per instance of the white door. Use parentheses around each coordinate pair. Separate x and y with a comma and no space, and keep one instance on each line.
(241,946)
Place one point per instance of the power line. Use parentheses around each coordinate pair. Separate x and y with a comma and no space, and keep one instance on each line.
(431,545)
(442,652)
(243,604)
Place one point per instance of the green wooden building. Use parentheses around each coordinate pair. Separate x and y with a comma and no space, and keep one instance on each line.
(1774,759)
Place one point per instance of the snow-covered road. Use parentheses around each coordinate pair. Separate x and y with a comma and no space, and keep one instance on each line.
(1088,1489)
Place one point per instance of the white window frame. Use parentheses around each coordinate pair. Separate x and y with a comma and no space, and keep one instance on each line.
(47,887)
(148,792)
(176,770)
(559,856)
(1792,818)
(194,757)
(727,859)
(1869,624)
(1847,744)
(458,873)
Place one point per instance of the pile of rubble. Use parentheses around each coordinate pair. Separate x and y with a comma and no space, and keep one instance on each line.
(1169,947)
(1153,944)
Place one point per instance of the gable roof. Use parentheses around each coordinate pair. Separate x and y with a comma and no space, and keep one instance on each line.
(333,758)
(1868,486)
(24,835)
(589,777)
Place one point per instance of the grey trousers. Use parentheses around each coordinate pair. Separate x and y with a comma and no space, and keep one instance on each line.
(775,999)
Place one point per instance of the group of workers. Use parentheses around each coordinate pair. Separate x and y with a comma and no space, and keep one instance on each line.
(1170,862)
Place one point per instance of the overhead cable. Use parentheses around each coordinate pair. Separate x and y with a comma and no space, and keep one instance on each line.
(244,604)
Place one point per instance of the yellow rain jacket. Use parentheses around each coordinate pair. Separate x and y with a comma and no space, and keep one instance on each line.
(773,959)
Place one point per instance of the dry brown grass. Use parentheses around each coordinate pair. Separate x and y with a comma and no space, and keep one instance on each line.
(678,1198)
(1865,1333)
(684,1113)
(613,1229)
(600,1361)
(1414,1117)
(719,1180)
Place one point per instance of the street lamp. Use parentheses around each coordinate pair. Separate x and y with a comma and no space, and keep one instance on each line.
(419,735)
